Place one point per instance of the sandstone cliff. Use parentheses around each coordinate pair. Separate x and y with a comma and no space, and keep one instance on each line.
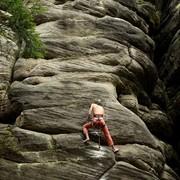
(123,52)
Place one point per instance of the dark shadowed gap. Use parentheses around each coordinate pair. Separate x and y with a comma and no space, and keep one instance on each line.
(9,111)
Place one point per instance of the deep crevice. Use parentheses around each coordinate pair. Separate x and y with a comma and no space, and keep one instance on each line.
(9,111)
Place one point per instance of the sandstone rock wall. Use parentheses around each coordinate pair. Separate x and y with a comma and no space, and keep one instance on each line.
(95,49)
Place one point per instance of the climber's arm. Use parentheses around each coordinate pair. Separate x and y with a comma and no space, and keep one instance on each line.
(90,112)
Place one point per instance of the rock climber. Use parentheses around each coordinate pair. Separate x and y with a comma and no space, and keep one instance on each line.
(96,111)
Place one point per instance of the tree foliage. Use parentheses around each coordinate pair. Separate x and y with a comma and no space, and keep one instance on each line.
(21,21)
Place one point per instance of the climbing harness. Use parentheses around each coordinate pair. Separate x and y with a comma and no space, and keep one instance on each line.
(97,117)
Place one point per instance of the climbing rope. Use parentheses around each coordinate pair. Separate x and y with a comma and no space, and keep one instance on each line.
(99,137)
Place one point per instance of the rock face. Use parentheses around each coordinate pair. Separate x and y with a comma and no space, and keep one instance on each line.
(95,49)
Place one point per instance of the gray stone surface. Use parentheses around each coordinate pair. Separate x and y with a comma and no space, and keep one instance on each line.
(95,49)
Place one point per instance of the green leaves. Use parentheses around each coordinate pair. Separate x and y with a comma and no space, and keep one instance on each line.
(22,22)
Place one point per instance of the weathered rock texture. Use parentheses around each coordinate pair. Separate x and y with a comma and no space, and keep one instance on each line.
(95,49)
